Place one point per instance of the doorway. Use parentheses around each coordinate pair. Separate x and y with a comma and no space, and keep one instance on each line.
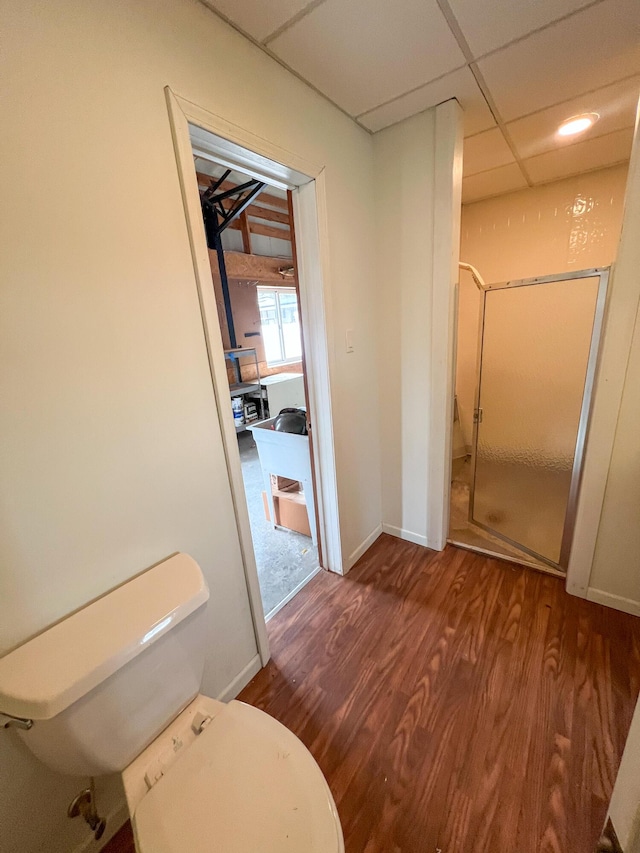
(250,236)
(515,494)
(197,132)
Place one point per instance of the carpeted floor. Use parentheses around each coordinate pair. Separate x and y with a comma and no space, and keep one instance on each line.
(284,558)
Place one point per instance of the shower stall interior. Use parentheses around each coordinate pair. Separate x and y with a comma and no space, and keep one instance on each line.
(537,353)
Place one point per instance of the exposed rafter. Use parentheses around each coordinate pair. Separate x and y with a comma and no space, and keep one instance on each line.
(206,181)
(217,216)
(255,218)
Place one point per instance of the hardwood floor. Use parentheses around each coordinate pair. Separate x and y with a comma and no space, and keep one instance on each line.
(455,703)
(122,841)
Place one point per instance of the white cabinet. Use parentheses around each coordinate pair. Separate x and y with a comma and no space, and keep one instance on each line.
(286,455)
(283,391)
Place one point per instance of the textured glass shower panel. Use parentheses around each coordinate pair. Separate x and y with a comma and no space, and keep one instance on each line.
(535,349)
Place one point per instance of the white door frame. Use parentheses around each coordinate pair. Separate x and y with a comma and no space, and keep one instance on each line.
(623,299)
(444,313)
(239,148)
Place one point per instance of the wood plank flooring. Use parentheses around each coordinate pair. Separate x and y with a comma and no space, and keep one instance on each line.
(455,703)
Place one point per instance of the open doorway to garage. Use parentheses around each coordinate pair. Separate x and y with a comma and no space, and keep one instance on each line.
(252,254)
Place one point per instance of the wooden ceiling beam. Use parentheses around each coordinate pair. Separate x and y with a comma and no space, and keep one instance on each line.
(242,267)
(264,230)
(258,212)
(270,231)
(246,232)
(265,213)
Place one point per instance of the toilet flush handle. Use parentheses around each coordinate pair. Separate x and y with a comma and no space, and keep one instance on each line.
(6,721)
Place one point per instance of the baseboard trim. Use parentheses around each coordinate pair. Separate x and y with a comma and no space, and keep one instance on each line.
(362,547)
(617,602)
(407,535)
(241,680)
(293,592)
(116,819)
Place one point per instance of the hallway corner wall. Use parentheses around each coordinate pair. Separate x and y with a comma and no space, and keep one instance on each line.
(615,573)
(418,172)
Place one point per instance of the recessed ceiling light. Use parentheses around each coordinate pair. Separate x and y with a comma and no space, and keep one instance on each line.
(577,124)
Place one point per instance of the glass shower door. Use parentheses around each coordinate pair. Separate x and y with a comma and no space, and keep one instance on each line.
(538,352)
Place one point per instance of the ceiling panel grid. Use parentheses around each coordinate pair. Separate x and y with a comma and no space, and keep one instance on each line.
(517,69)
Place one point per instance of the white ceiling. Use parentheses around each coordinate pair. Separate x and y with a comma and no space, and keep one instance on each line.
(517,67)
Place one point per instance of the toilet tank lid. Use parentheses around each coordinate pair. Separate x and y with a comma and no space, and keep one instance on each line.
(48,673)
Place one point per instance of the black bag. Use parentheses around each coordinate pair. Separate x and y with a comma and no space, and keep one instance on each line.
(291,420)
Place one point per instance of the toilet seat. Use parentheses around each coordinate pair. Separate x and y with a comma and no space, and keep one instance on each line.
(245,785)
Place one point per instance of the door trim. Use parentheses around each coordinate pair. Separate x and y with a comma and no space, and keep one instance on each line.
(244,150)
(585,417)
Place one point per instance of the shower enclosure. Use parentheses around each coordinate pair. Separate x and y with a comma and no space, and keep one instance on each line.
(538,345)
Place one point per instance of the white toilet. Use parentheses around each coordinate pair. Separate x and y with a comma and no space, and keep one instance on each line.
(114,688)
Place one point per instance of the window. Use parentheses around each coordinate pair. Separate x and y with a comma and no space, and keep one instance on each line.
(280,324)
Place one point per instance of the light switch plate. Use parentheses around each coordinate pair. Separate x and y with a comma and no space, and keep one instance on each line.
(349,340)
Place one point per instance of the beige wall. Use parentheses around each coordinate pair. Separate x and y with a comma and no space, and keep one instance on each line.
(568,225)
(615,575)
(111,450)
(415,287)
(404,165)
(616,565)
(405,248)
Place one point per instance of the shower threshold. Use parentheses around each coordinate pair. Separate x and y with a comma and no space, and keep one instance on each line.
(518,561)
(465,534)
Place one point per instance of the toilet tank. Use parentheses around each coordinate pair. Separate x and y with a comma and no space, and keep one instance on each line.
(101,684)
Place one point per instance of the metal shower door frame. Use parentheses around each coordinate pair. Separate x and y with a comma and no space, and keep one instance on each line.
(585,410)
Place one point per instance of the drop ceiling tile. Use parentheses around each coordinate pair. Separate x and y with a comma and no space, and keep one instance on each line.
(255,17)
(616,105)
(459,84)
(486,150)
(581,157)
(488,24)
(587,51)
(361,54)
(504,179)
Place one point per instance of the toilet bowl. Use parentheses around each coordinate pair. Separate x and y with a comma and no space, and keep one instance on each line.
(114,688)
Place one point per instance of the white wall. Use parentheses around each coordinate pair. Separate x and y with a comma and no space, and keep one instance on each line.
(616,565)
(404,166)
(416,163)
(615,574)
(111,450)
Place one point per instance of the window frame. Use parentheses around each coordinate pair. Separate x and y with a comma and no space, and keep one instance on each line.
(277,290)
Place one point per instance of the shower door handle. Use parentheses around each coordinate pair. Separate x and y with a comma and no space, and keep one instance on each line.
(477,416)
